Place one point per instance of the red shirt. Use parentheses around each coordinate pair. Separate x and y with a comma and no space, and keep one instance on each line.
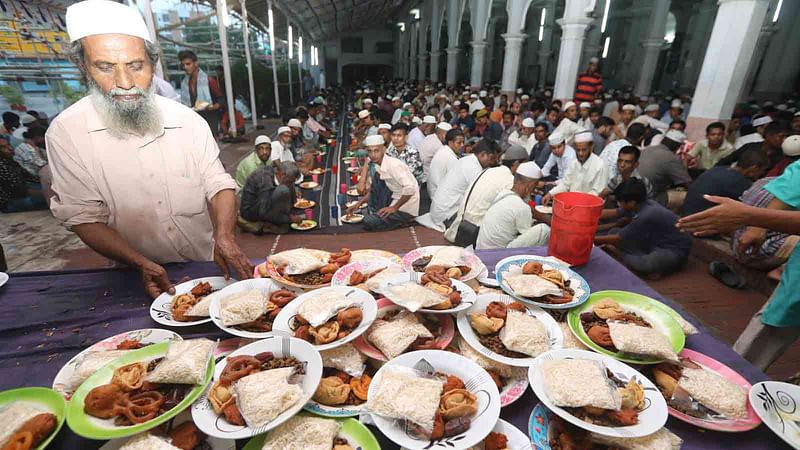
(588,85)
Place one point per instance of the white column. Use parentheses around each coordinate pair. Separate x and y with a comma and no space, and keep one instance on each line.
(478,57)
(412,59)
(452,61)
(490,49)
(730,51)
(274,63)
(479,11)
(517,10)
(594,38)
(422,40)
(455,8)
(437,15)
(574,25)
(246,29)
(322,68)
(226,66)
(656,26)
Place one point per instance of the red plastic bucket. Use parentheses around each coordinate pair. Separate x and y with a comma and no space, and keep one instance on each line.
(574,224)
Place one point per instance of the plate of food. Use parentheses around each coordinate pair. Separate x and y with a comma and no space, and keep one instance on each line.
(544,209)
(431,399)
(504,436)
(687,327)
(396,331)
(353,192)
(305,225)
(368,254)
(541,282)
(630,329)
(352,203)
(328,317)
(318,170)
(366,274)
(249,308)
(507,331)
(91,359)
(547,431)
(304,203)
(189,306)
(431,292)
(345,380)
(308,432)
(457,262)
(354,169)
(141,389)
(511,381)
(309,184)
(31,417)
(258,387)
(705,393)
(353,218)
(597,393)
(179,432)
(302,268)
(776,403)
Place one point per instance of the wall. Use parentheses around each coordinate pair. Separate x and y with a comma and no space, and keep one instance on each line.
(333,51)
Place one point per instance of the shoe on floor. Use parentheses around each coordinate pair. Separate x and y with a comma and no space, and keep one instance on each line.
(726,275)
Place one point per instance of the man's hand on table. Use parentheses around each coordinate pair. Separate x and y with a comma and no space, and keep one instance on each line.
(228,255)
(155,280)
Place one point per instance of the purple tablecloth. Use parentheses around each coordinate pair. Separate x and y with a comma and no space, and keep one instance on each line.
(48,317)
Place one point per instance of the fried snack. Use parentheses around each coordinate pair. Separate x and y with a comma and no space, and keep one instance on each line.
(101,401)
(632,395)
(440,289)
(458,403)
(495,441)
(454,298)
(220,397)
(438,427)
(600,335)
(332,391)
(485,325)
(624,417)
(186,436)
(328,269)
(341,258)
(129,344)
(181,304)
(665,382)
(239,367)
(360,386)
(356,278)
(202,289)
(532,268)
(453,382)
(141,407)
(454,272)
(233,415)
(303,332)
(607,308)
(435,278)
(435,269)
(22,440)
(129,377)
(554,276)
(517,306)
(497,309)
(282,297)
(326,333)
(498,381)
(350,317)
(32,432)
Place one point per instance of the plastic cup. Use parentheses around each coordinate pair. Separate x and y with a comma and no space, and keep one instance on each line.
(309,214)
(343,188)
(537,199)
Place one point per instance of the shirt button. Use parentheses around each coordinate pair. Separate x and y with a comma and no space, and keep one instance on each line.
(160,202)
(169,228)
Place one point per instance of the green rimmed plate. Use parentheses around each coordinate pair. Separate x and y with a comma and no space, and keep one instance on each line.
(44,399)
(658,314)
(93,428)
(357,435)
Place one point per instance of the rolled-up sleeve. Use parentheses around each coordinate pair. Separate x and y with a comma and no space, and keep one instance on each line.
(213,174)
(405,178)
(76,198)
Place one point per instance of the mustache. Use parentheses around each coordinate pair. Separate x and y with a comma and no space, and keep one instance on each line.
(113,92)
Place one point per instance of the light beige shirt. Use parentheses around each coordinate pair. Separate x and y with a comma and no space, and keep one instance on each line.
(153,190)
(590,177)
(400,181)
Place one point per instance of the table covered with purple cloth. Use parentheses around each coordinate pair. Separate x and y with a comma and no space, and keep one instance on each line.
(46,318)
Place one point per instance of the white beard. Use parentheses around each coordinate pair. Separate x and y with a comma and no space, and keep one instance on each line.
(138,117)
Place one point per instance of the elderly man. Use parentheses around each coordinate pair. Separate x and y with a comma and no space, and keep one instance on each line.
(136,176)
(568,126)
(393,193)
(281,148)
(587,174)
(445,159)
(431,144)
(199,91)
(417,135)
(561,155)
(265,207)
(509,221)
(260,156)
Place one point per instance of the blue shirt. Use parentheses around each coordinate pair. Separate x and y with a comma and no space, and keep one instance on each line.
(652,227)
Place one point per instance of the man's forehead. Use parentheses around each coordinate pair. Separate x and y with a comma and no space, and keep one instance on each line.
(114,47)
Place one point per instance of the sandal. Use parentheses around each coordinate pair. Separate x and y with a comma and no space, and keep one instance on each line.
(726,275)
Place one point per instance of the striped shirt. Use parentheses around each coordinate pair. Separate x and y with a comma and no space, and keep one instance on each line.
(588,85)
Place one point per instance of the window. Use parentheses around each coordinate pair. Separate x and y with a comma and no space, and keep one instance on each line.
(669,36)
(384,47)
(352,45)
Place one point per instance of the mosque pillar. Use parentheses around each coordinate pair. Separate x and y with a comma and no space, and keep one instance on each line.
(730,51)
(546,46)
(422,42)
(594,37)
(455,8)
(478,58)
(490,49)
(763,41)
(574,25)
(479,11)
(452,62)
(657,25)
(412,59)
(517,11)
(437,15)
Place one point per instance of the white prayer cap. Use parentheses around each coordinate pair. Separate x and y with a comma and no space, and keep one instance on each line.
(675,135)
(363,114)
(27,118)
(528,122)
(262,140)
(568,105)
(782,107)
(628,107)
(525,97)
(676,104)
(367,100)
(791,145)
(368,91)
(594,60)
(598,101)
(444,126)
(482,94)
(428,88)
(584,136)
(295,123)
(465,93)
(529,169)
(416,120)
(606,96)
(555,138)
(651,107)
(797,114)
(94,17)
(762,121)
(375,139)
(429,119)
(395,99)
(457,103)
(473,96)
(358,91)
(384,126)
(406,105)
(547,93)
(586,105)
(282,130)
(768,103)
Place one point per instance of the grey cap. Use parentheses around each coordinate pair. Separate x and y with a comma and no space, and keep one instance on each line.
(514,153)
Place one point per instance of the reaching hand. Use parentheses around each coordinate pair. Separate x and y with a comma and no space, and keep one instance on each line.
(227,255)
(547,200)
(155,280)
(726,217)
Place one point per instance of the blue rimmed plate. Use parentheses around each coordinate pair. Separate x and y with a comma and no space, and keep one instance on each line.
(511,266)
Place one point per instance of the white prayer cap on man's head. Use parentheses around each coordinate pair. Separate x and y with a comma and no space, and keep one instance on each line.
(465,93)
(93,17)
(416,120)
(367,100)
(519,90)
(547,93)
(358,91)
(457,103)
(594,60)
(363,114)
(797,114)
(628,107)
(606,96)
(444,126)
(651,107)
(586,105)
(406,105)
(762,121)
(791,145)
(295,123)
(768,103)
(598,101)
(525,97)
(282,130)
(528,122)
(568,105)
(676,104)
(529,169)
(555,138)
(482,94)
(27,118)
(782,107)
(429,119)
(473,96)
(384,126)
(262,140)
(375,139)
(584,136)
(675,135)
(395,99)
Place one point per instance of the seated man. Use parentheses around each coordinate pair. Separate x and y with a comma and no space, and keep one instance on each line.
(561,155)
(509,221)
(266,208)
(400,149)
(393,192)
(18,188)
(627,167)
(708,152)
(588,173)
(260,156)
(650,244)
(445,159)
(663,168)
(723,181)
